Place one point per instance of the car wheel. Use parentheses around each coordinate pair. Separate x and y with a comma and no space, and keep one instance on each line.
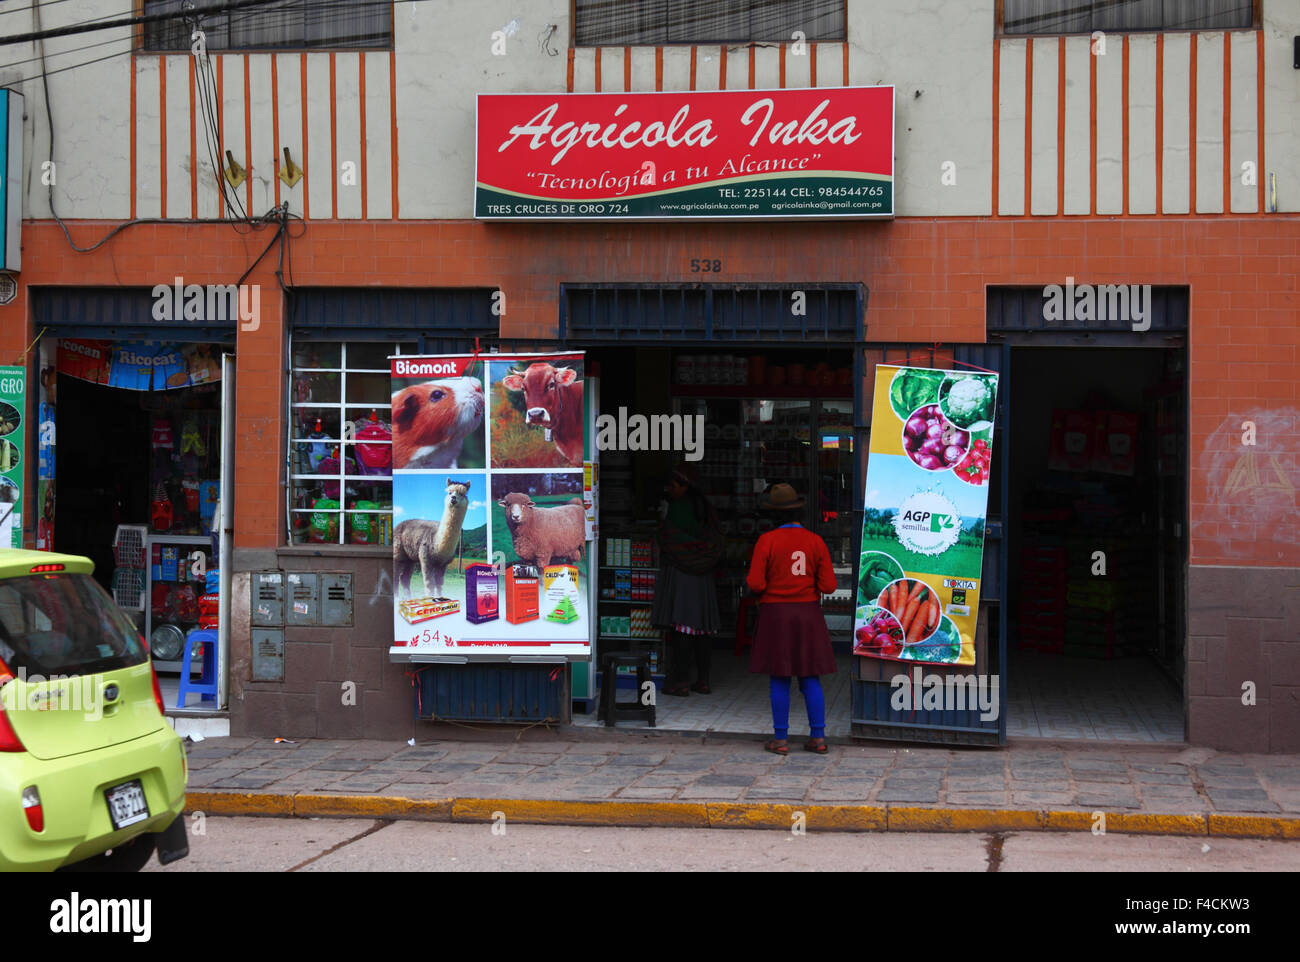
(131,856)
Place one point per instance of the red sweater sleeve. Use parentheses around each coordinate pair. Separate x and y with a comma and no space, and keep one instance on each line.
(826,582)
(757,579)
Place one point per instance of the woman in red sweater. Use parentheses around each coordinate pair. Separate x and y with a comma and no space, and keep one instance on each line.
(790,566)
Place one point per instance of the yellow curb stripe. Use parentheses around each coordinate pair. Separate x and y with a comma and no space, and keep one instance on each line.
(1129,823)
(1254,826)
(755,815)
(613,813)
(908,819)
(238,803)
(826,818)
(371,806)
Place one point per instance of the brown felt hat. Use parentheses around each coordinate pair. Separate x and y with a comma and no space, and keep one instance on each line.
(782,497)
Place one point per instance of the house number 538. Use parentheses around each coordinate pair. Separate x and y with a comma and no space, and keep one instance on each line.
(705,266)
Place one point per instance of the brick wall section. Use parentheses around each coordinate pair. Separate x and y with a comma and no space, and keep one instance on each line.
(927,279)
(1242,628)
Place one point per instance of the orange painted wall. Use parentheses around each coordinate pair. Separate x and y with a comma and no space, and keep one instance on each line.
(927,281)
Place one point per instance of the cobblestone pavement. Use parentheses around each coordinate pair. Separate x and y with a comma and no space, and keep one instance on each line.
(566,766)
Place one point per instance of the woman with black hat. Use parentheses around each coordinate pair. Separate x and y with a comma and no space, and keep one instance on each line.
(789,568)
(686,598)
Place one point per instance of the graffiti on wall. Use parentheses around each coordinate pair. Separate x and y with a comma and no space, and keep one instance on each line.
(1251,466)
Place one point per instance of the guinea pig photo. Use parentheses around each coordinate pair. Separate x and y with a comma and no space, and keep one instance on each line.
(432,420)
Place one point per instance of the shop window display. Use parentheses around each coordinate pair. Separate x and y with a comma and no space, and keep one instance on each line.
(340,442)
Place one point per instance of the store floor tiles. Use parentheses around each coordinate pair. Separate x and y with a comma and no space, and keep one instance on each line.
(739,703)
(1049,696)
(1058,696)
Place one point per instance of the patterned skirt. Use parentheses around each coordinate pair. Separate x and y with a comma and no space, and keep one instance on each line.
(791,639)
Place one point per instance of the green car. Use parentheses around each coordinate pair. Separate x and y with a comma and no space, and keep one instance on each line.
(92,777)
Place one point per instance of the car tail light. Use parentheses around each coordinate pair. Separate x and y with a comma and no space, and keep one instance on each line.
(8,737)
(32,808)
(41,568)
(157,691)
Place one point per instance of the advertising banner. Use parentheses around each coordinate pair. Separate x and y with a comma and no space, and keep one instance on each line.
(45,445)
(925,506)
(489,523)
(13,404)
(140,366)
(734,154)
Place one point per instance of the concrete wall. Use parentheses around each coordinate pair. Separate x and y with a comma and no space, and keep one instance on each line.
(321,665)
(1242,638)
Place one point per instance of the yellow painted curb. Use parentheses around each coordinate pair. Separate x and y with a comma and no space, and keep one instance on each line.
(1254,826)
(371,806)
(825,818)
(615,813)
(238,803)
(906,819)
(1129,823)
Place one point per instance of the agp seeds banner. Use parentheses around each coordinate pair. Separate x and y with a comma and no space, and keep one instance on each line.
(489,526)
(925,506)
(820,153)
(13,404)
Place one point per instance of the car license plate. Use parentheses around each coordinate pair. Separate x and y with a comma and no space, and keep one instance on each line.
(126,804)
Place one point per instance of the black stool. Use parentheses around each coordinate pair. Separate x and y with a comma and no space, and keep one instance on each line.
(612,710)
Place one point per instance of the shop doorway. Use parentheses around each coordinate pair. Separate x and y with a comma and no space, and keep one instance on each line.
(768,415)
(135,477)
(1096,542)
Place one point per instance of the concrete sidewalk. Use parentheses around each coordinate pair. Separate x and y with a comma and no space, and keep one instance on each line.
(630,778)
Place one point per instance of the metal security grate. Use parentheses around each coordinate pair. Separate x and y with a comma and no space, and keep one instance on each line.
(810,313)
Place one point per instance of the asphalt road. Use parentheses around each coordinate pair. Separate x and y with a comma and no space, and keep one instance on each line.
(365,845)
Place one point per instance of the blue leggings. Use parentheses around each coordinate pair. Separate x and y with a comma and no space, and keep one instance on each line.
(813,699)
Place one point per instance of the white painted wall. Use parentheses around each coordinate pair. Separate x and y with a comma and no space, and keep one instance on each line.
(937,53)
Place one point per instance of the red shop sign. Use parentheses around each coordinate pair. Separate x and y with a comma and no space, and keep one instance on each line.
(733,154)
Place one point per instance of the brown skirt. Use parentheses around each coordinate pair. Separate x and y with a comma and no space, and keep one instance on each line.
(792,639)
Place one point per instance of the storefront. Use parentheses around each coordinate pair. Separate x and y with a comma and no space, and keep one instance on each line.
(130,458)
(1138,544)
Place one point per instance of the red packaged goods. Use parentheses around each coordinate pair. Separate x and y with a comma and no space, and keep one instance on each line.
(1072,439)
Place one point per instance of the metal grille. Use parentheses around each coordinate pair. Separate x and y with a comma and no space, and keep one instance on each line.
(810,313)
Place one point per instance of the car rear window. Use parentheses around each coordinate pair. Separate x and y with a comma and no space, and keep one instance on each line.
(64,624)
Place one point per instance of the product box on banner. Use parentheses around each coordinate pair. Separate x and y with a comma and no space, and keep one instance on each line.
(925,506)
(490,549)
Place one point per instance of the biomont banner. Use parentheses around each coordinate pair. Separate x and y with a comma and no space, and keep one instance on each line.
(817,153)
(924,511)
(489,525)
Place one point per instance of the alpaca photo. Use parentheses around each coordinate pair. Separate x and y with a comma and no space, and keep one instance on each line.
(441,529)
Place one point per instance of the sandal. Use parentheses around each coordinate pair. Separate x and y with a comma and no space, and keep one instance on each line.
(817,745)
(702,688)
(681,690)
(776,747)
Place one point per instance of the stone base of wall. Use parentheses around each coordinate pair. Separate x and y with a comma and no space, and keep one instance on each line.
(322,665)
(1243,631)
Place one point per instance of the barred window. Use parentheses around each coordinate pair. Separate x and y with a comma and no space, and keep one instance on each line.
(1086,16)
(278,25)
(340,441)
(654,22)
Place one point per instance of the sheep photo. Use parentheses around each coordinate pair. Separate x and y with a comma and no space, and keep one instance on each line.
(538,519)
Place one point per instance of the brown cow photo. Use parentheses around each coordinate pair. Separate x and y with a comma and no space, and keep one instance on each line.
(537,418)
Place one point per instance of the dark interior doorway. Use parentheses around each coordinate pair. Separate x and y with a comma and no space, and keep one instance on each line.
(1097,542)
(103,469)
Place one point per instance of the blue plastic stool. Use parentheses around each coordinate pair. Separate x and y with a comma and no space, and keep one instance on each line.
(207,683)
